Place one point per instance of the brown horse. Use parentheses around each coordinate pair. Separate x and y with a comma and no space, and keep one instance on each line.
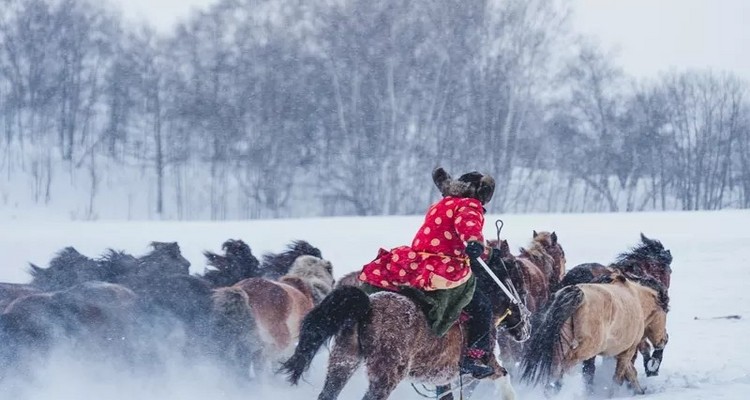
(390,333)
(542,267)
(648,259)
(544,257)
(257,320)
(574,329)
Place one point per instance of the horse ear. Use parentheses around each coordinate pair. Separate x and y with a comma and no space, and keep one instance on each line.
(535,234)
(442,179)
(646,240)
(36,270)
(554,238)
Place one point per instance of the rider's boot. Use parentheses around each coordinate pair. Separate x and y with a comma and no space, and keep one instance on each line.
(478,326)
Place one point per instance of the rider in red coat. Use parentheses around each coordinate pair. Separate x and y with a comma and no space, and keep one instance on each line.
(437,263)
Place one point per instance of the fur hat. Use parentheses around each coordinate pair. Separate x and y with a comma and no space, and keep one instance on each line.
(473,184)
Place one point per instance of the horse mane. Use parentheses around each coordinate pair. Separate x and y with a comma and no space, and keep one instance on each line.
(662,295)
(163,258)
(277,265)
(237,263)
(647,251)
(116,264)
(65,269)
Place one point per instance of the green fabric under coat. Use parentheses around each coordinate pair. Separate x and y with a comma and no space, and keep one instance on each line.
(441,307)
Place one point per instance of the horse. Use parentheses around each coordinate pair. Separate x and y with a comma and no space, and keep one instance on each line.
(390,333)
(12,291)
(256,321)
(237,263)
(543,258)
(647,259)
(573,328)
(69,267)
(165,258)
(98,316)
(542,267)
(275,266)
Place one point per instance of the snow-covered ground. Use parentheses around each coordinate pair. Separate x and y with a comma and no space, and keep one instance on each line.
(705,358)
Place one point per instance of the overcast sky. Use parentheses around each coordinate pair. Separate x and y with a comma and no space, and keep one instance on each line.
(649,35)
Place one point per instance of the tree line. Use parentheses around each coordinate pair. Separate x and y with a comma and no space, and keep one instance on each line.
(279,108)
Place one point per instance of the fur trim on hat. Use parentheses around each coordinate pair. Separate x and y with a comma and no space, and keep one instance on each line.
(473,184)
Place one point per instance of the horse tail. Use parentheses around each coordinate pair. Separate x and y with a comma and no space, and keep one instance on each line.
(231,314)
(539,356)
(579,274)
(339,311)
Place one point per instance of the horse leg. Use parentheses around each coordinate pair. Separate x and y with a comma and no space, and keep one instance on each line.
(654,362)
(589,369)
(501,379)
(504,388)
(344,360)
(644,347)
(626,371)
(384,378)
(441,391)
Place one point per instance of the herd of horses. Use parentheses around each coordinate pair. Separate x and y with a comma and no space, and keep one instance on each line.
(261,317)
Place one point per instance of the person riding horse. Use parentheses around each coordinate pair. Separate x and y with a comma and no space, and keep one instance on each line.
(436,269)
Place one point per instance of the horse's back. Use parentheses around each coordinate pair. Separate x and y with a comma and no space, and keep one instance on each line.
(278,309)
(12,291)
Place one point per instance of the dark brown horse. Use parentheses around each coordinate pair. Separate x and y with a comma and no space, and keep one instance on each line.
(649,259)
(574,328)
(275,266)
(69,267)
(12,291)
(98,316)
(390,334)
(542,267)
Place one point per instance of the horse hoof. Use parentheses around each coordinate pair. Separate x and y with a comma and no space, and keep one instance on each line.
(652,367)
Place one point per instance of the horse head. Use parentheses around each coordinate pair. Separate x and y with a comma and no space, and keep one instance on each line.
(649,259)
(316,272)
(241,259)
(549,243)
(277,265)
(237,263)
(67,268)
(116,264)
(512,315)
(165,258)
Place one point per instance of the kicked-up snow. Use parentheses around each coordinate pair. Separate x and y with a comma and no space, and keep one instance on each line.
(706,358)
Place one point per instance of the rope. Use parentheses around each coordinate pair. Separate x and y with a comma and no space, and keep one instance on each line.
(426,396)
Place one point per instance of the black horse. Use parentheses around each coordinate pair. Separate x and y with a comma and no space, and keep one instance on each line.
(274,266)
(237,263)
(98,318)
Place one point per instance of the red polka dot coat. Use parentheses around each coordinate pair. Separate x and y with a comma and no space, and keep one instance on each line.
(435,260)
